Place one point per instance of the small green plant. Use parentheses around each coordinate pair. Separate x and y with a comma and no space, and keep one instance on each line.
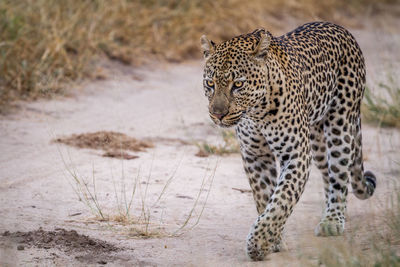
(383,109)
(230,146)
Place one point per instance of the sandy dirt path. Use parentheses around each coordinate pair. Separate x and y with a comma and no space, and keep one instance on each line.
(163,103)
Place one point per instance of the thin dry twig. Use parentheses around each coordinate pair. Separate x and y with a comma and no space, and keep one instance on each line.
(242,190)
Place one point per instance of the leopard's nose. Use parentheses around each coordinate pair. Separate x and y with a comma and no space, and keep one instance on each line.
(218,115)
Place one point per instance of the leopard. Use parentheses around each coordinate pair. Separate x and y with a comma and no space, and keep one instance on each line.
(291,99)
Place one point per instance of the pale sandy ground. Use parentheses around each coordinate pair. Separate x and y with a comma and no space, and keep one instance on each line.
(160,102)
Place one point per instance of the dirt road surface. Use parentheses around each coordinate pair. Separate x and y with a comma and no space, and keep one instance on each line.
(43,222)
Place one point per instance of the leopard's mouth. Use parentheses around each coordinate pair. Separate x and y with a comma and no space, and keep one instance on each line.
(229,120)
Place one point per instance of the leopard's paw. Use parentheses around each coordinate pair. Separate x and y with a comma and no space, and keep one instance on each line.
(329,228)
(258,248)
(254,249)
(278,247)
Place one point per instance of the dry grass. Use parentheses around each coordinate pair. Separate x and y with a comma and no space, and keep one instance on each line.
(134,208)
(382,105)
(375,243)
(230,146)
(114,144)
(48,43)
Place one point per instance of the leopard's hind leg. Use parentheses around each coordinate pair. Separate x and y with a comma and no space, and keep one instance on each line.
(332,222)
(342,131)
(339,145)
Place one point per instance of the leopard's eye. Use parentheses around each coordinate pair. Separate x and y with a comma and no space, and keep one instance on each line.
(238,84)
(209,87)
(210,83)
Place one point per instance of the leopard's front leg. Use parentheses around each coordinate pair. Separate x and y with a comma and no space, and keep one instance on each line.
(294,156)
(258,162)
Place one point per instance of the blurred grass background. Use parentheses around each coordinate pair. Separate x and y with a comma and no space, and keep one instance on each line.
(46,44)
(383,110)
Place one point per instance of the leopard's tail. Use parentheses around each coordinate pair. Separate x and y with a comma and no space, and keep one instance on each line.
(363,183)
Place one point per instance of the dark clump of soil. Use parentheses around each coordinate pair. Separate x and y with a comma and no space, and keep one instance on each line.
(202,154)
(66,240)
(114,144)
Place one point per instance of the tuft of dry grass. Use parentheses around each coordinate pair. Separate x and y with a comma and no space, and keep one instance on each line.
(131,194)
(45,44)
(375,243)
(230,146)
(383,109)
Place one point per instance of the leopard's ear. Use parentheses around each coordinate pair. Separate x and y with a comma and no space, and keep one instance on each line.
(261,45)
(208,46)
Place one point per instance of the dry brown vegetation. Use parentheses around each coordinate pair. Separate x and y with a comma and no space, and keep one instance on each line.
(114,144)
(383,109)
(48,43)
(376,244)
(230,146)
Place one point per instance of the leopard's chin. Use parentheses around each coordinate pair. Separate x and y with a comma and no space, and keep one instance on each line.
(226,124)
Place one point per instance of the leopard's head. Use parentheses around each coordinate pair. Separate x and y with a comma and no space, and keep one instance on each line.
(234,75)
